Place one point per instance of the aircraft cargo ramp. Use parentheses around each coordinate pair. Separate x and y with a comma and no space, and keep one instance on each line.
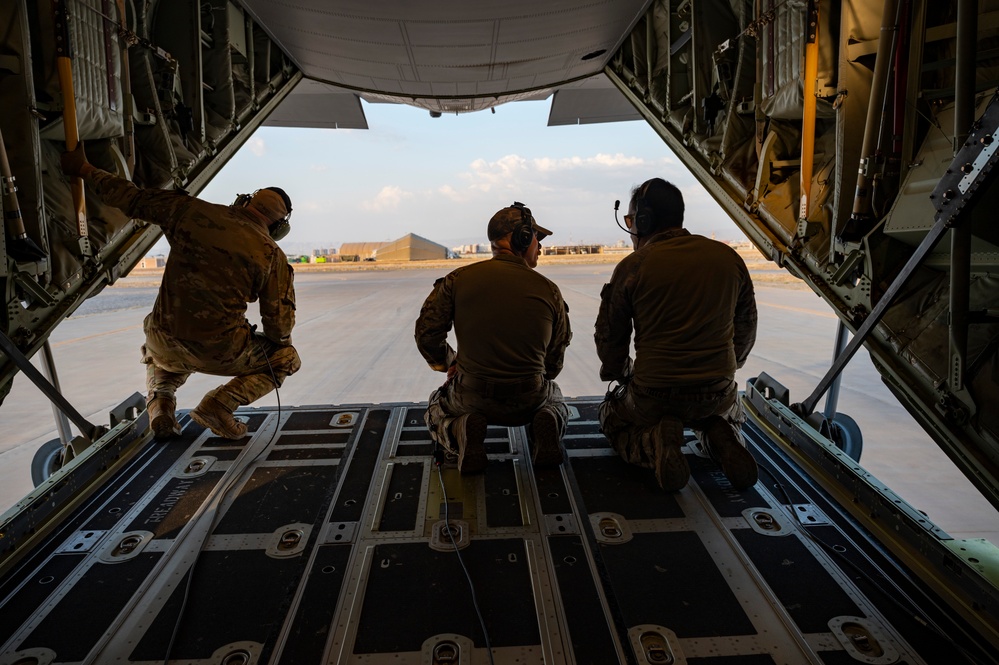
(328,535)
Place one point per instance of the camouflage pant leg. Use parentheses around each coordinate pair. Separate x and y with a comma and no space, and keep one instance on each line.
(446,405)
(627,427)
(161,382)
(555,404)
(257,363)
(259,371)
(730,408)
(627,417)
(451,401)
(439,420)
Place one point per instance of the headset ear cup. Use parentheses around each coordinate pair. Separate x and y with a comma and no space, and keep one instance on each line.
(279,229)
(521,238)
(643,217)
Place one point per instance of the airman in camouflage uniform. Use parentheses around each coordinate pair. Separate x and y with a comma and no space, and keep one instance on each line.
(221,258)
(512,328)
(692,305)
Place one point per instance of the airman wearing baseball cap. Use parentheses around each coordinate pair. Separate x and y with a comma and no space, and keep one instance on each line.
(512,327)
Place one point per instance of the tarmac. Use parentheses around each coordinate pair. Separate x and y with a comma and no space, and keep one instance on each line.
(355,336)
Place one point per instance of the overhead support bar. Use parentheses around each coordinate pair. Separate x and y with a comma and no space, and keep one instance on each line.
(22,247)
(875,111)
(126,93)
(832,399)
(61,421)
(960,239)
(650,49)
(681,41)
(964,70)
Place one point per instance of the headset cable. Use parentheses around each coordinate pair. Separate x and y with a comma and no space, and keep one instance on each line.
(461,561)
(228,488)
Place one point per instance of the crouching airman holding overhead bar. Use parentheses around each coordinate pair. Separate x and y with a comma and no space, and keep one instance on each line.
(512,328)
(691,304)
(221,258)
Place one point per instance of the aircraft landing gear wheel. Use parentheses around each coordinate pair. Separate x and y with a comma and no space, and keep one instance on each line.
(47,460)
(846,435)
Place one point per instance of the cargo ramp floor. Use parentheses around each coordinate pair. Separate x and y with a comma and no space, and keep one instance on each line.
(329,535)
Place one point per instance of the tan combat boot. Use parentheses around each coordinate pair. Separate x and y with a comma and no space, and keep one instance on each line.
(162,420)
(217,417)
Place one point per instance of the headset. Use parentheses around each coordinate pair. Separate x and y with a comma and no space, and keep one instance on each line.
(642,222)
(644,218)
(523,234)
(278,228)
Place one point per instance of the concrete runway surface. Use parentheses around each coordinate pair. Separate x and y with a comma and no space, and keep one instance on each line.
(355,336)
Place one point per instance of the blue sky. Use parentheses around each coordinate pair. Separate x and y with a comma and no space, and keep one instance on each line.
(443,178)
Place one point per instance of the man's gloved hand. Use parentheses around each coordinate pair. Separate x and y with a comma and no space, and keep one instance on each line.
(74,162)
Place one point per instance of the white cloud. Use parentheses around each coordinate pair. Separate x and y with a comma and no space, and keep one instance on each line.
(484,175)
(449,192)
(600,160)
(257,146)
(515,171)
(388,198)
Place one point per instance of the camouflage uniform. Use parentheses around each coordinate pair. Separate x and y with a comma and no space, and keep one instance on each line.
(693,308)
(512,327)
(221,258)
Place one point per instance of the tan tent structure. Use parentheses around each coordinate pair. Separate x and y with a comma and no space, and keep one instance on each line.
(358,251)
(411,247)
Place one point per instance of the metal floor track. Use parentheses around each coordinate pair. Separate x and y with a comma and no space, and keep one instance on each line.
(328,535)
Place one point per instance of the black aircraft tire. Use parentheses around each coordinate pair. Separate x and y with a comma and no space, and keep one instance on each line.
(47,460)
(847,436)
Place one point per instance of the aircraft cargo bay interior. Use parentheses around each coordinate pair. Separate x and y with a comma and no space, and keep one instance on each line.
(851,141)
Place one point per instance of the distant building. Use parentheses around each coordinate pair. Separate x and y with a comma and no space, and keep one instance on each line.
(324,255)
(358,251)
(477,248)
(411,247)
(151,262)
(560,250)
